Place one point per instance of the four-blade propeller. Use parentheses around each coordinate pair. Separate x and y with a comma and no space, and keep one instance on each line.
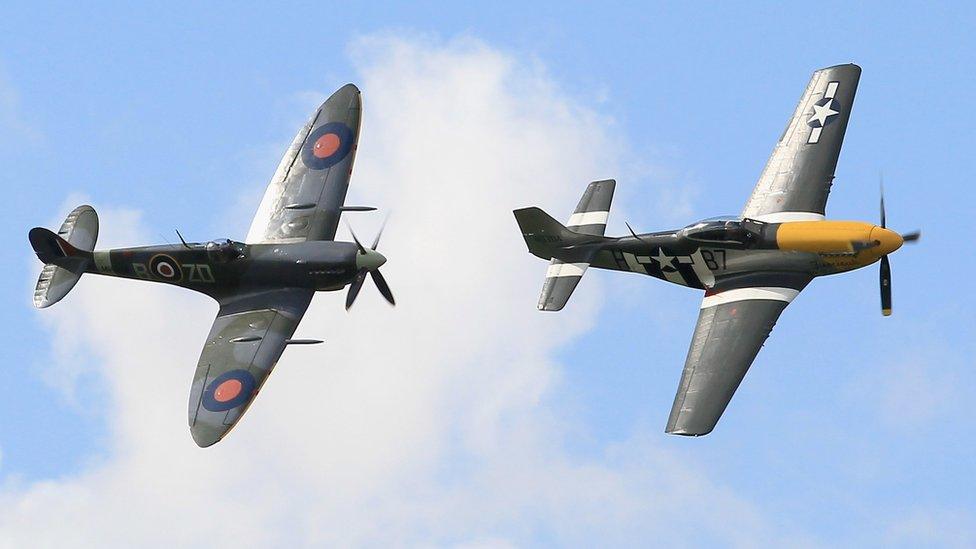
(885,271)
(369,261)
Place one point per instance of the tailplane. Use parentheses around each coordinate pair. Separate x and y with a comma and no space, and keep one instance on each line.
(565,245)
(66,255)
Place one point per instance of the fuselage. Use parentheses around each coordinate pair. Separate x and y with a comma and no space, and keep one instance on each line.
(696,255)
(222,268)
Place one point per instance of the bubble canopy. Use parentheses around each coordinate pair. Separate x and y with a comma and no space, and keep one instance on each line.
(720,218)
(724,229)
(224,250)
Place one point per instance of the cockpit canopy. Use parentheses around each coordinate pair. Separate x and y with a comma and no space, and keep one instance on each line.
(224,250)
(725,230)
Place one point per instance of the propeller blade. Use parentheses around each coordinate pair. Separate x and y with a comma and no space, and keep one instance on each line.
(358,243)
(354,287)
(912,236)
(885,286)
(881,186)
(380,233)
(382,286)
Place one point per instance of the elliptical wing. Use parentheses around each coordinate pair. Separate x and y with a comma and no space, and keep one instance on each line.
(305,197)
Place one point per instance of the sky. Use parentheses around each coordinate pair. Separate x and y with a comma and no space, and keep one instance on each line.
(464,417)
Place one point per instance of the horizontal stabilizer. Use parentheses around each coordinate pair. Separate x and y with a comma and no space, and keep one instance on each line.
(66,255)
(561,280)
(570,247)
(593,210)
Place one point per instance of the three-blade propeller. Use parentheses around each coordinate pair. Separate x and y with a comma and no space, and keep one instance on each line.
(369,262)
(885,271)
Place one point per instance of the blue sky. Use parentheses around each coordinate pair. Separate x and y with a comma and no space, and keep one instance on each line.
(850,429)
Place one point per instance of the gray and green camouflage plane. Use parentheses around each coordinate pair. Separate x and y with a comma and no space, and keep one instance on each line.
(750,266)
(263,285)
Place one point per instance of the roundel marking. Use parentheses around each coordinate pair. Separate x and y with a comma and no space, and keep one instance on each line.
(165,267)
(327,145)
(229,390)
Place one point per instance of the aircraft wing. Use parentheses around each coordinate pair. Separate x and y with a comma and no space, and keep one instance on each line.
(305,197)
(796,180)
(245,342)
(736,317)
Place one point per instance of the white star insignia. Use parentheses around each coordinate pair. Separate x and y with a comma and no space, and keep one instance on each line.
(663,259)
(821,113)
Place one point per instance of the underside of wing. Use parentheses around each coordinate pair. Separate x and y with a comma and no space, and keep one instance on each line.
(796,180)
(736,318)
(244,344)
(305,197)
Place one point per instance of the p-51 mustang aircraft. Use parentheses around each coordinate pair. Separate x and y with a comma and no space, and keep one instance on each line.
(751,267)
(263,286)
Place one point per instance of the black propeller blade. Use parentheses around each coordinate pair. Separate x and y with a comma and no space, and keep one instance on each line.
(355,286)
(912,236)
(382,286)
(881,186)
(376,240)
(885,271)
(885,286)
(362,250)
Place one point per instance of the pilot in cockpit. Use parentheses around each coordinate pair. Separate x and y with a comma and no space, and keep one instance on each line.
(728,230)
(224,250)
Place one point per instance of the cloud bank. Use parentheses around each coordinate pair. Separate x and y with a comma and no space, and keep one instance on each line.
(428,424)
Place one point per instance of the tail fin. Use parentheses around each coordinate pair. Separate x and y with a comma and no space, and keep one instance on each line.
(66,255)
(546,238)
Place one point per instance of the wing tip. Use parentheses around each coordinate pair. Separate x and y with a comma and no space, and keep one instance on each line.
(852,66)
(348,88)
(205,438)
(682,426)
(348,94)
(686,432)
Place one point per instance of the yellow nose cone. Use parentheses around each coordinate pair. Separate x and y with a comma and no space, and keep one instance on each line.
(890,240)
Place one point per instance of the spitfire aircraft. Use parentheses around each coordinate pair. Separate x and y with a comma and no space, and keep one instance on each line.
(263,285)
(750,266)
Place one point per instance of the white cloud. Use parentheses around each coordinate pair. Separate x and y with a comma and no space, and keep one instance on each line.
(425,424)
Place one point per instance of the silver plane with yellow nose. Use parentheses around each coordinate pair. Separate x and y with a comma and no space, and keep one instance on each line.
(750,266)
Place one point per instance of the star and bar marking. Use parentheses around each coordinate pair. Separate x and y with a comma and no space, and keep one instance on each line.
(823,110)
